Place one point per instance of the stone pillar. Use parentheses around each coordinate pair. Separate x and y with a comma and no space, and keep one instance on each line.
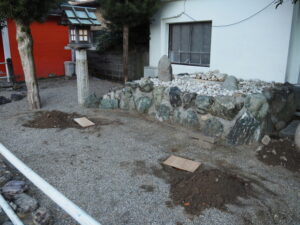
(82,75)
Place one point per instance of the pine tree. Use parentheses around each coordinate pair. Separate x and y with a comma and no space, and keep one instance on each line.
(24,12)
(128,14)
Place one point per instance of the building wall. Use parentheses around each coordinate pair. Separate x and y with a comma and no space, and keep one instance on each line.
(293,69)
(49,39)
(254,49)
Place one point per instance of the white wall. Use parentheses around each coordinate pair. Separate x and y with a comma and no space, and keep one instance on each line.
(254,49)
(293,68)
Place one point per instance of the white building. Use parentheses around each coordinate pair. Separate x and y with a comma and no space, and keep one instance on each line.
(249,39)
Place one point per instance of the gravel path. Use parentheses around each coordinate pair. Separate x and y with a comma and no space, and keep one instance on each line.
(102,169)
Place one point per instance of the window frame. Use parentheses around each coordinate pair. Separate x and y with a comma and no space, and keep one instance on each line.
(190,41)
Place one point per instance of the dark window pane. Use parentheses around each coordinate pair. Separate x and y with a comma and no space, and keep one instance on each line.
(205,59)
(190,43)
(195,58)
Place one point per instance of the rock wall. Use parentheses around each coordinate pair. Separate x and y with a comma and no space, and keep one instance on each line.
(237,119)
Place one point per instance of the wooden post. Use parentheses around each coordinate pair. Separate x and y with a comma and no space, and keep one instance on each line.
(125,52)
(82,75)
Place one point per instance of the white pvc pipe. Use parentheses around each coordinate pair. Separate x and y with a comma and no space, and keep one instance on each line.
(73,210)
(9,212)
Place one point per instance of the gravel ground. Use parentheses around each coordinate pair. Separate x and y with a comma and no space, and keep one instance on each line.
(103,170)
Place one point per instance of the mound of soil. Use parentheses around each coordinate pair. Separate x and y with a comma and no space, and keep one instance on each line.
(53,119)
(280,152)
(206,189)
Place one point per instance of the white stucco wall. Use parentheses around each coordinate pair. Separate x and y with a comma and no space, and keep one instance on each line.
(254,49)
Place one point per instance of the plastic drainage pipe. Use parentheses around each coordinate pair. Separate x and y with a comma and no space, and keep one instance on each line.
(73,210)
(9,212)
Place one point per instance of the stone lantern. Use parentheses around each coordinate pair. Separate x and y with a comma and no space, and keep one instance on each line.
(80,20)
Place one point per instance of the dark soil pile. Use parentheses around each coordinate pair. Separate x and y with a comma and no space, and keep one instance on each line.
(280,152)
(206,189)
(53,119)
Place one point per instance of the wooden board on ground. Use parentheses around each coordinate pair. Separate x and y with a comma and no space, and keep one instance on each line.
(181,163)
(84,122)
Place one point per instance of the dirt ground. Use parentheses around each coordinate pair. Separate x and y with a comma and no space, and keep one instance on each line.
(114,170)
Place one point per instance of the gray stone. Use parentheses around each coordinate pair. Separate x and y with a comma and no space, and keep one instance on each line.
(41,217)
(187,118)
(163,112)
(126,99)
(17,97)
(226,107)
(175,98)
(297,137)
(158,94)
(203,103)
(213,128)
(92,101)
(165,69)
(109,104)
(230,83)
(11,188)
(280,125)
(243,132)
(266,140)
(146,85)
(143,104)
(25,203)
(290,130)
(4,100)
(132,84)
(221,76)
(257,105)
(5,176)
(188,99)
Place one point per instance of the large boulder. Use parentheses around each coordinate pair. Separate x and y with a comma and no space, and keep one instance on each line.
(187,118)
(14,187)
(158,95)
(226,107)
(188,99)
(163,112)
(143,104)
(213,128)
(146,85)
(244,130)
(257,105)
(92,101)
(126,99)
(165,69)
(25,203)
(230,83)
(203,103)
(109,104)
(297,137)
(175,98)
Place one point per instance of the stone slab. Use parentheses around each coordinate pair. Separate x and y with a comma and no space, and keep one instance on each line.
(84,122)
(181,163)
(290,130)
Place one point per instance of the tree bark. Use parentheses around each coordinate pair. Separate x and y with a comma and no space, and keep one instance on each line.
(125,51)
(25,46)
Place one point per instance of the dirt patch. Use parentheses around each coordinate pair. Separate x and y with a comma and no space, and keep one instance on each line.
(204,189)
(280,152)
(58,119)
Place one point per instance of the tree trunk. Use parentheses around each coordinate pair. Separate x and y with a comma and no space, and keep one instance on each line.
(25,46)
(125,51)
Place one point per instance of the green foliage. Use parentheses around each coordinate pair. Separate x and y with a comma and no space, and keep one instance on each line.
(129,12)
(279,2)
(27,11)
(111,39)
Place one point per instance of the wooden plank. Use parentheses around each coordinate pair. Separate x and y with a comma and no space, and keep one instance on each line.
(181,163)
(84,122)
